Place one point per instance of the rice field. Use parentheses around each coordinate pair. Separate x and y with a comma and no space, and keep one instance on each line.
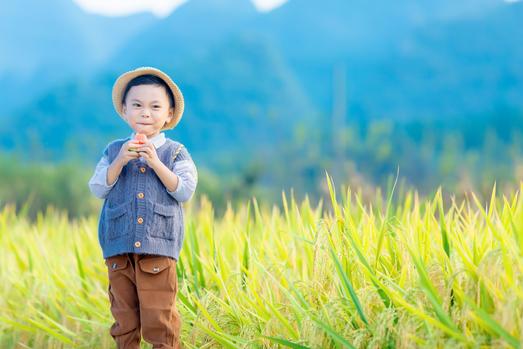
(398,273)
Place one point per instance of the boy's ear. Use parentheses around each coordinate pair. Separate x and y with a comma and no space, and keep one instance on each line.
(124,113)
(169,117)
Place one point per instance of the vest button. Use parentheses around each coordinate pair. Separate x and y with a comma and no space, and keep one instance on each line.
(142,169)
(140,220)
(137,244)
(140,195)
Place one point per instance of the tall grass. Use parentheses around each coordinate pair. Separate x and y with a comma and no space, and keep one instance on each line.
(406,273)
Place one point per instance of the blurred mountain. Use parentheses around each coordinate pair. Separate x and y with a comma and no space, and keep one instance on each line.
(187,33)
(79,113)
(359,36)
(45,42)
(250,78)
(460,67)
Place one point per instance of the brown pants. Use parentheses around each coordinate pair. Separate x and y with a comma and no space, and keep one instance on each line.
(142,291)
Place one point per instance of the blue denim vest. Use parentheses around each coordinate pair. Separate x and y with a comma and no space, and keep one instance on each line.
(138,214)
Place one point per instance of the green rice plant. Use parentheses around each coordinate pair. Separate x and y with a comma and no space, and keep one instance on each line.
(400,271)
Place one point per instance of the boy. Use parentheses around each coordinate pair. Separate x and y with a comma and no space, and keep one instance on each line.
(141,227)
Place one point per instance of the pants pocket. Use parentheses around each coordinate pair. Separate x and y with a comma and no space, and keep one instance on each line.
(116,265)
(117,262)
(157,288)
(157,281)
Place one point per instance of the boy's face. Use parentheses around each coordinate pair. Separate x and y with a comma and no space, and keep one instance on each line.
(146,109)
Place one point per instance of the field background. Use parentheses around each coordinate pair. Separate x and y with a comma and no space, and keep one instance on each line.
(410,111)
(401,273)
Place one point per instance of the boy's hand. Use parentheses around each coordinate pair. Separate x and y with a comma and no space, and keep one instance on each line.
(126,154)
(148,152)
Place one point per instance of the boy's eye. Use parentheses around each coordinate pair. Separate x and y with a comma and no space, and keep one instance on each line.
(136,104)
(156,106)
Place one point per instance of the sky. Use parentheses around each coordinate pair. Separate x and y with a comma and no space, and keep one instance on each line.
(160,8)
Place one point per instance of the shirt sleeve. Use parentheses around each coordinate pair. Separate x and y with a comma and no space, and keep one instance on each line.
(98,182)
(185,169)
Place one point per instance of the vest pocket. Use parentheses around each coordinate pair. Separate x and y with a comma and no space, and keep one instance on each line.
(118,220)
(162,224)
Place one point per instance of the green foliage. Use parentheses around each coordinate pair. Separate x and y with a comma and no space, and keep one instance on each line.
(462,155)
(307,276)
(36,186)
(33,187)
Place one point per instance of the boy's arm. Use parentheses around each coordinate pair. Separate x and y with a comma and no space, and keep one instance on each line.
(181,181)
(98,182)
(187,175)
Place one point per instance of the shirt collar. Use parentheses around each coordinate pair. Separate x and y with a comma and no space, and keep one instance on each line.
(157,140)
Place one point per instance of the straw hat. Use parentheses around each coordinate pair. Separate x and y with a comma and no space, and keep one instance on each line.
(123,80)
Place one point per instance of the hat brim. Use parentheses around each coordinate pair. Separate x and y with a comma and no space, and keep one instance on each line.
(122,81)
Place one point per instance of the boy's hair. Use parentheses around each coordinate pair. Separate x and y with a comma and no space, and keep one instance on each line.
(148,79)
